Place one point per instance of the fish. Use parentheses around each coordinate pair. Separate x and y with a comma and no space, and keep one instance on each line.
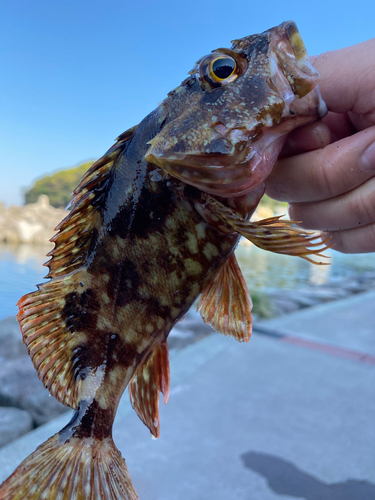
(153,225)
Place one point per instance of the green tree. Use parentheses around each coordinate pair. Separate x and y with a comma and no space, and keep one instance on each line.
(58,186)
(268,202)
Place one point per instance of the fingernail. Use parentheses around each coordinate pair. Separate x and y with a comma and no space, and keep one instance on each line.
(368,158)
(320,136)
(291,211)
(294,215)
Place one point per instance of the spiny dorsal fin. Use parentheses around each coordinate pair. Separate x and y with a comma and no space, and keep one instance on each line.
(50,342)
(225,303)
(272,234)
(150,379)
(75,231)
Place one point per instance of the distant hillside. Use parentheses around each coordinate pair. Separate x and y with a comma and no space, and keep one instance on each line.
(58,186)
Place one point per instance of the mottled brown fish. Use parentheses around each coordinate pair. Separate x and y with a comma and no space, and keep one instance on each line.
(153,224)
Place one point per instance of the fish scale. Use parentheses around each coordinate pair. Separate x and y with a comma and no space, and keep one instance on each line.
(154,224)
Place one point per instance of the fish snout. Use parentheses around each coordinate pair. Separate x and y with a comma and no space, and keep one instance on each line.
(287,45)
(294,76)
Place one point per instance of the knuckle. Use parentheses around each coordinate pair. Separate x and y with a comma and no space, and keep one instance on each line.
(320,175)
(362,209)
(370,239)
(359,240)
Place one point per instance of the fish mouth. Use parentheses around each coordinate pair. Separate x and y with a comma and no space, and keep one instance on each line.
(290,49)
(293,74)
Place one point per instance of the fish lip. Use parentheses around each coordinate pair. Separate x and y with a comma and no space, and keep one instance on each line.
(293,74)
(289,49)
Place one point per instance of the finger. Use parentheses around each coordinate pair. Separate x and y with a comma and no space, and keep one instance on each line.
(332,128)
(313,136)
(347,82)
(340,125)
(324,173)
(350,210)
(362,121)
(358,240)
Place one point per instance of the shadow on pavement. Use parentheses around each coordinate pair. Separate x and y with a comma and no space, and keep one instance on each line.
(285,479)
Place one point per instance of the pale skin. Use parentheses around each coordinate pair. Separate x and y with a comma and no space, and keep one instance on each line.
(327,169)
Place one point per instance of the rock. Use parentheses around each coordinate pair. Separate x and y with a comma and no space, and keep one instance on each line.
(282,305)
(20,387)
(27,231)
(367,279)
(286,301)
(314,295)
(189,330)
(11,345)
(355,287)
(32,223)
(300,298)
(324,294)
(13,424)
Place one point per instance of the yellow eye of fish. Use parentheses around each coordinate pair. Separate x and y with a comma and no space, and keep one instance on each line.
(217,70)
(222,68)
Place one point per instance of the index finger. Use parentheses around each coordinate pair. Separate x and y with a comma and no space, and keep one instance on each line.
(324,173)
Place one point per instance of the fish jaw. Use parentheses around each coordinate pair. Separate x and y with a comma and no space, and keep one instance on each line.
(240,128)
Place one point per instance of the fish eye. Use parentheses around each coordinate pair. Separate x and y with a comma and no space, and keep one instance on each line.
(222,68)
(217,70)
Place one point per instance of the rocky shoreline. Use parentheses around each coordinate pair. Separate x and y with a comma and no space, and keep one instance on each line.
(32,223)
(25,404)
(289,301)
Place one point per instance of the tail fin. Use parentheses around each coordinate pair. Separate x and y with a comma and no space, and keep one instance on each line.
(78,469)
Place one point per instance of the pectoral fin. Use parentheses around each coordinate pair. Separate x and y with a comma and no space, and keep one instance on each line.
(225,303)
(272,234)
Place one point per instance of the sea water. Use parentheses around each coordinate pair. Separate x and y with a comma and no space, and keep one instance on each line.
(21,268)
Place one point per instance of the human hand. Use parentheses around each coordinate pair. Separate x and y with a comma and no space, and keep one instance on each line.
(327,169)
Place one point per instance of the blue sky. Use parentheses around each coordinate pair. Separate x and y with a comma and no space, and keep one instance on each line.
(75,74)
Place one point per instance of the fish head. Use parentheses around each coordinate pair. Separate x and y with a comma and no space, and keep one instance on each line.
(224,127)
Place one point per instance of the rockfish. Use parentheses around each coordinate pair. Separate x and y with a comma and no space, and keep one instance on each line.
(153,225)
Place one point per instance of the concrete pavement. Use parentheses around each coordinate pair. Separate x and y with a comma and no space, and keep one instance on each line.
(289,415)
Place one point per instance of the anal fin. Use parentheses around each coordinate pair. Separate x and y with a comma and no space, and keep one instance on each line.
(150,379)
(225,303)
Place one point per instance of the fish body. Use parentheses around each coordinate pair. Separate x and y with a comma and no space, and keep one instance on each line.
(153,224)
